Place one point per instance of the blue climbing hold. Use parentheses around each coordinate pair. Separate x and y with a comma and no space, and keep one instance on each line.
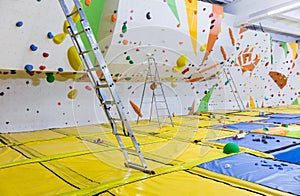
(50,35)
(19,24)
(60,69)
(28,68)
(33,47)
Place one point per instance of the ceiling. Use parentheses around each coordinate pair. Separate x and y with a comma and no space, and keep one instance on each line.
(280,18)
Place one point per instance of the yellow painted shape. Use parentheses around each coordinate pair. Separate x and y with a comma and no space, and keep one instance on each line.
(203,47)
(59,38)
(192,16)
(252,104)
(31,179)
(294,47)
(74,59)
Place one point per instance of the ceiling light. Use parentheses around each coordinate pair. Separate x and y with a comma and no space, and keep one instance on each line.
(284,8)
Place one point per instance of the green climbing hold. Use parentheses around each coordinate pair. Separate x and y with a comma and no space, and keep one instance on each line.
(266,129)
(50,78)
(128,58)
(230,148)
(131,62)
(227,82)
(124,27)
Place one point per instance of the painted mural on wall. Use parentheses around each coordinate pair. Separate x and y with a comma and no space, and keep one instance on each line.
(193,43)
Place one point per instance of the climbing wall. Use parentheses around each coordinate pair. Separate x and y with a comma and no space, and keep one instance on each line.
(43,84)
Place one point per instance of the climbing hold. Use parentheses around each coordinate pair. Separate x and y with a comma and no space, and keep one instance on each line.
(19,24)
(136,109)
(87,2)
(33,47)
(148,16)
(59,38)
(266,129)
(113,18)
(76,16)
(74,59)
(73,94)
(128,58)
(231,148)
(45,54)
(28,68)
(99,140)
(125,41)
(50,77)
(124,27)
(65,28)
(50,35)
(203,47)
(60,69)
(181,62)
(88,88)
(131,62)
(42,67)
(227,166)
(153,86)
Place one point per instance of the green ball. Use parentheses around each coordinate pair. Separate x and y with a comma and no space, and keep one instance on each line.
(50,78)
(231,148)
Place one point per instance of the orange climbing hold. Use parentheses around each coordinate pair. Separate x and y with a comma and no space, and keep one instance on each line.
(223,52)
(87,2)
(136,109)
(231,36)
(113,18)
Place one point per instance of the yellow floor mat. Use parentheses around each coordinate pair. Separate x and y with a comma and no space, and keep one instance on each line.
(87,160)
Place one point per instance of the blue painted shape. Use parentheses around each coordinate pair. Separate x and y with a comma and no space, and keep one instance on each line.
(251,141)
(19,24)
(291,155)
(275,174)
(244,126)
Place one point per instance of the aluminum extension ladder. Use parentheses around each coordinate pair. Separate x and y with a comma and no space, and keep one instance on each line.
(158,98)
(105,91)
(235,92)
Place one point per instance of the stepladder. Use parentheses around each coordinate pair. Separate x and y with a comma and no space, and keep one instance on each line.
(157,101)
(230,81)
(105,88)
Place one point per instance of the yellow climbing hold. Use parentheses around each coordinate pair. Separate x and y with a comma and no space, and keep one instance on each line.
(76,16)
(74,59)
(181,62)
(73,94)
(173,85)
(65,29)
(203,47)
(59,38)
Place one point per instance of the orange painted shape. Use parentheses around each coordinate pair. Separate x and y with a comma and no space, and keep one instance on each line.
(214,32)
(196,79)
(136,109)
(278,78)
(231,36)
(223,52)
(242,30)
(208,68)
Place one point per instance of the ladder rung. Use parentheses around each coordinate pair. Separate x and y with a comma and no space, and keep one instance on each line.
(84,52)
(131,150)
(80,32)
(164,116)
(72,13)
(104,85)
(108,102)
(162,108)
(97,67)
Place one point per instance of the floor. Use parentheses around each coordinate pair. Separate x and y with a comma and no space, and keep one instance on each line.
(188,158)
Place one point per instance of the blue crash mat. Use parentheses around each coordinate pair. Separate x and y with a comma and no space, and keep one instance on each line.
(275,174)
(246,126)
(255,141)
(284,115)
(291,155)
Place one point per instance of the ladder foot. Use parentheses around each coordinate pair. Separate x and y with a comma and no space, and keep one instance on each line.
(139,167)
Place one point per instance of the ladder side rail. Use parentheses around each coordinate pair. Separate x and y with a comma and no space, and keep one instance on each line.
(238,94)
